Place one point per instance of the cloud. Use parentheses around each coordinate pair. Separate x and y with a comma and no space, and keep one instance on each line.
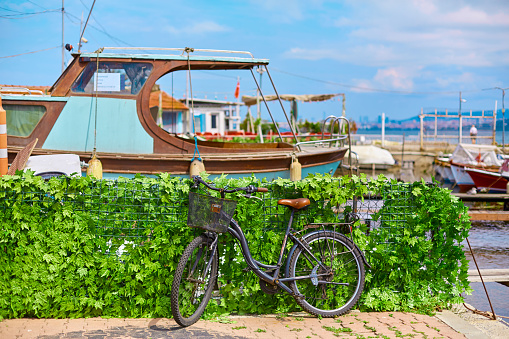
(198,28)
(288,11)
(424,32)
(395,77)
(391,78)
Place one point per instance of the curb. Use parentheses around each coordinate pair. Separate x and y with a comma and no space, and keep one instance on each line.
(460,325)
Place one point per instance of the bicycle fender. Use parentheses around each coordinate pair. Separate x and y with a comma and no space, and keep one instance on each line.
(294,247)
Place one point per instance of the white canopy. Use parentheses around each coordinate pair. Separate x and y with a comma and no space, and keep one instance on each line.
(473,154)
(252,100)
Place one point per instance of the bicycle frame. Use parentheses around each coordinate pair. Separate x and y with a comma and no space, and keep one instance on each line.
(257,266)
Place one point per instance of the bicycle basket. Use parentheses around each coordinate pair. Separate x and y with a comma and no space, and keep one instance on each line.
(210,213)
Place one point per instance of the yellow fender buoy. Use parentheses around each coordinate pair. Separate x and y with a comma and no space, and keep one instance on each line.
(196,168)
(95,167)
(295,169)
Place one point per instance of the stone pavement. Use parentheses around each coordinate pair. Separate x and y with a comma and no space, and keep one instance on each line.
(296,325)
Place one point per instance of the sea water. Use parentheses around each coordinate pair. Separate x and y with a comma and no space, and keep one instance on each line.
(490,245)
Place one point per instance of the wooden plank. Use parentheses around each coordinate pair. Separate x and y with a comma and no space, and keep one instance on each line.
(489,275)
(482,197)
(489,215)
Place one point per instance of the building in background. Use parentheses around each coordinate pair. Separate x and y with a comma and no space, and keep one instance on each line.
(170,114)
(215,116)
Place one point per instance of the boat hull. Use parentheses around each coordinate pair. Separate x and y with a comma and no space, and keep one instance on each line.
(269,165)
(489,181)
(462,178)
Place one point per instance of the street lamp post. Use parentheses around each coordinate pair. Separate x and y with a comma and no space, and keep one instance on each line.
(503,117)
(461,120)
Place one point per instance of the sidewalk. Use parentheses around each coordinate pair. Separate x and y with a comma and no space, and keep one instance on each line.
(295,325)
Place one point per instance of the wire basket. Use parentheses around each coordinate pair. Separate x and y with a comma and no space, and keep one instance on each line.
(210,213)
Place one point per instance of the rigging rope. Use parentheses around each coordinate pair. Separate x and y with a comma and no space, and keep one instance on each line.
(96,98)
(196,150)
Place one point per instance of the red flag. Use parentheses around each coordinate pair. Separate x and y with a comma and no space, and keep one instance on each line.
(237,90)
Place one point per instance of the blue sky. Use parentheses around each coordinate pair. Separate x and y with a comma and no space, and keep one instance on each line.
(390,56)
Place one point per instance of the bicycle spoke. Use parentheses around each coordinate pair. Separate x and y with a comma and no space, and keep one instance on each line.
(193,282)
(340,274)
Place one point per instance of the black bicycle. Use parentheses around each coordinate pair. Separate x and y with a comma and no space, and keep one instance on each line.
(323,271)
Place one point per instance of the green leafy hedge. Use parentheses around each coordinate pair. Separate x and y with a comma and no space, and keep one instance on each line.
(78,247)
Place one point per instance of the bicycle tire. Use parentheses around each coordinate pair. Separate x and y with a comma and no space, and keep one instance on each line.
(190,292)
(326,299)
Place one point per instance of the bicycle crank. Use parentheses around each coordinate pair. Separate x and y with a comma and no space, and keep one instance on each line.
(267,288)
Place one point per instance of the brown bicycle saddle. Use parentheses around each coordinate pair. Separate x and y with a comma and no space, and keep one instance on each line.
(295,203)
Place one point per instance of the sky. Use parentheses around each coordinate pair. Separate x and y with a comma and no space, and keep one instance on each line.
(393,56)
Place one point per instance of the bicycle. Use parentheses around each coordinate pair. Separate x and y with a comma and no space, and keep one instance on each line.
(324,270)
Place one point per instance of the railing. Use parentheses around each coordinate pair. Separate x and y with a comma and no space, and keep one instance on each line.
(182,50)
(20,90)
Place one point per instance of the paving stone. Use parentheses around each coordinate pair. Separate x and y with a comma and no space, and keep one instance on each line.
(299,325)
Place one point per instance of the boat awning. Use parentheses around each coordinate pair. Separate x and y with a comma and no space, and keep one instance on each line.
(369,154)
(252,100)
(474,154)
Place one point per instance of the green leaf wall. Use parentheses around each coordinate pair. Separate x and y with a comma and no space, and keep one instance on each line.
(78,247)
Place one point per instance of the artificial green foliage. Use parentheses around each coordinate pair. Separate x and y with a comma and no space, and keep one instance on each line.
(81,247)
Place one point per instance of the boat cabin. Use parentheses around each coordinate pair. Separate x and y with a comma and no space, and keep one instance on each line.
(105,102)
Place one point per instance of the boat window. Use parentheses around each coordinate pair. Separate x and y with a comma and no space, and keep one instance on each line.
(112,78)
(22,119)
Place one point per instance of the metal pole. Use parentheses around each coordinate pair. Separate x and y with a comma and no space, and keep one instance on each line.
(63,40)
(383,129)
(494,141)
(258,108)
(86,22)
(421,117)
(494,316)
(402,153)
(282,106)
(503,120)
(461,122)
(503,116)
(436,125)
(267,106)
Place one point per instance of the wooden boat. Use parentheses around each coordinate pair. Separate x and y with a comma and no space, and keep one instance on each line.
(472,156)
(102,101)
(443,169)
(489,181)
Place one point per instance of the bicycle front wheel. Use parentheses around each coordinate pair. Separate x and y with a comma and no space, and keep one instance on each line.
(336,282)
(194,281)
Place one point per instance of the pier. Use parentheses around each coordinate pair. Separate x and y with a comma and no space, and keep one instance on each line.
(490,275)
(491,215)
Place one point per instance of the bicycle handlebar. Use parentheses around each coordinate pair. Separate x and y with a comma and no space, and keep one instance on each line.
(249,189)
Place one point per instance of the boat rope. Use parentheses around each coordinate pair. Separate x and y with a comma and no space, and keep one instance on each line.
(196,150)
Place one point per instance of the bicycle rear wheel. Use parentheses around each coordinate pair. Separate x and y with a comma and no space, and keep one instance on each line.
(334,287)
(193,281)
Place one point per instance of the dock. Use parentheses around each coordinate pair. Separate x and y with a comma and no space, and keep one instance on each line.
(488,215)
(483,197)
(490,275)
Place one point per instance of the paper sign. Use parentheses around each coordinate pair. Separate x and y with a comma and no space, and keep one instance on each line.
(107,82)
